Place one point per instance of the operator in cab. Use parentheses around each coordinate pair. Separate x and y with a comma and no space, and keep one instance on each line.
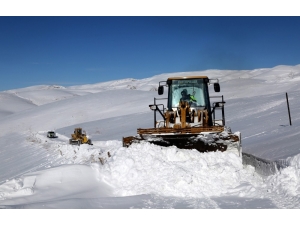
(187,97)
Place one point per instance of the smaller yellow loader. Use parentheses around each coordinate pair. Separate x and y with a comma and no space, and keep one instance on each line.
(79,137)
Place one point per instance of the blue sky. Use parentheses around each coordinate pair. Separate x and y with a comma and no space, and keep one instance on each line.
(83,50)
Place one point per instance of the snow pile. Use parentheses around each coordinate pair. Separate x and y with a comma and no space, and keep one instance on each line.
(140,169)
(79,181)
(149,169)
(288,179)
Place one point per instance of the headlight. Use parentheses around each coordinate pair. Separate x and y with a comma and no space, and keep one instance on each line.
(152,107)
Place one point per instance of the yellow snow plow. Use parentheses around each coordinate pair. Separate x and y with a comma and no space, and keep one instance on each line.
(79,137)
(189,120)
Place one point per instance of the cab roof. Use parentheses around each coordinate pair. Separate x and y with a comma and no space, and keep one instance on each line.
(187,77)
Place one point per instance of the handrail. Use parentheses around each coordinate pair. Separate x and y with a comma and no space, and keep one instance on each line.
(222,108)
(161,113)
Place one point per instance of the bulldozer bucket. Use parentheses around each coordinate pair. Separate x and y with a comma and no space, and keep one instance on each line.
(203,142)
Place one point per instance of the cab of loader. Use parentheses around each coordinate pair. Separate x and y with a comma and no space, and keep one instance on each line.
(77,132)
(193,90)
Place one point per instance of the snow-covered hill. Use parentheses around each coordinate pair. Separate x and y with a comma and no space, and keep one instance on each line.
(37,172)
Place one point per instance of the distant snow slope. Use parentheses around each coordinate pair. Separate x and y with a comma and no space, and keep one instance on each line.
(11,103)
(81,109)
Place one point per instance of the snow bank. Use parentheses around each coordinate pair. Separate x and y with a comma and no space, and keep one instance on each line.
(145,169)
(63,182)
(288,179)
(138,170)
(149,169)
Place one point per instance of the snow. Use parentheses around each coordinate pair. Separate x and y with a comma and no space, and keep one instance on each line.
(38,172)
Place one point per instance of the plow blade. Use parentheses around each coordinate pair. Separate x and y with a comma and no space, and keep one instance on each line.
(74,142)
(204,142)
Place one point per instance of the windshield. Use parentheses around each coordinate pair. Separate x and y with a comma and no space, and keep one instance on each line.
(191,90)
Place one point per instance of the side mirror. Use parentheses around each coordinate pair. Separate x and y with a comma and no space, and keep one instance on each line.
(160,90)
(217,87)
